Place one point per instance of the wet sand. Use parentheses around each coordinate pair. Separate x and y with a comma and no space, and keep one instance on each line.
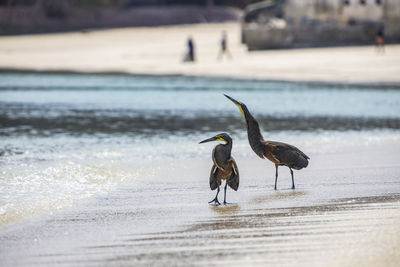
(345,214)
(160,50)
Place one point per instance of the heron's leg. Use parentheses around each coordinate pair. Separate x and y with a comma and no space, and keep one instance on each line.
(215,200)
(226,185)
(291,172)
(276,176)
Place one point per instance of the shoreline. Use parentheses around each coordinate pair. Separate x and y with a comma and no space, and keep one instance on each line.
(160,50)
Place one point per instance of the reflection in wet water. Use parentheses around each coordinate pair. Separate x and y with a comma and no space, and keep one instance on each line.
(279,195)
(228,209)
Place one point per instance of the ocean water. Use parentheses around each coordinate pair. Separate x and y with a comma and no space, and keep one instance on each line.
(66,138)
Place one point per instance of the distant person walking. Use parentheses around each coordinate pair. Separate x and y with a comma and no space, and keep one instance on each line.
(224,47)
(380,39)
(190,55)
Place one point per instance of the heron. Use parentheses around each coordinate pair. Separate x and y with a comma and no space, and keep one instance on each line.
(224,166)
(281,154)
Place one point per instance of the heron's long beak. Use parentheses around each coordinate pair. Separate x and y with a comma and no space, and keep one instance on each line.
(209,140)
(233,100)
(237,103)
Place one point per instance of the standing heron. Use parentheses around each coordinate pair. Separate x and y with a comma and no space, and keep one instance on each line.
(224,167)
(279,153)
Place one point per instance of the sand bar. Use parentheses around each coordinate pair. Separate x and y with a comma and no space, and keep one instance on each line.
(160,50)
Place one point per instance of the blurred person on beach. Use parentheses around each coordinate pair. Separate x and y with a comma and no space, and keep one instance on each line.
(380,39)
(189,56)
(224,47)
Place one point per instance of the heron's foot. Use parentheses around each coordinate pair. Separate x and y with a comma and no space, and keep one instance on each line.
(225,202)
(215,200)
(275,188)
(293,187)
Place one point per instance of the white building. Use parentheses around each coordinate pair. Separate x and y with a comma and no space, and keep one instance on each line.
(294,23)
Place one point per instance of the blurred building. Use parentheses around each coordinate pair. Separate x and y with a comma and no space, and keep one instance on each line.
(304,23)
(39,16)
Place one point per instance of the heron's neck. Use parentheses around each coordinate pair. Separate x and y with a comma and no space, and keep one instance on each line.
(228,145)
(256,140)
(253,129)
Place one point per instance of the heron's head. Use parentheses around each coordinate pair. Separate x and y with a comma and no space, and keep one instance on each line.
(219,137)
(242,107)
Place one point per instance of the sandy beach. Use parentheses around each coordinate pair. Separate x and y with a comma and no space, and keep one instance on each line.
(164,219)
(106,170)
(160,50)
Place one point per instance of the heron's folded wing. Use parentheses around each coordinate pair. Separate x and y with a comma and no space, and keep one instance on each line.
(233,181)
(290,155)
(213,177)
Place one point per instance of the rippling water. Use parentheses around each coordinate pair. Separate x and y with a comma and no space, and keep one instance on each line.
(67,137)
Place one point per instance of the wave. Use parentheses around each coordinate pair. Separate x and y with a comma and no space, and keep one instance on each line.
(153,123)
(37,190)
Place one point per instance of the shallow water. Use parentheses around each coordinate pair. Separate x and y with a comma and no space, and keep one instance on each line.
(68,137)
(120,155)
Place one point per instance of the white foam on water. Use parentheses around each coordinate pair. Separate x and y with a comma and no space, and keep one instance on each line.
(37,189)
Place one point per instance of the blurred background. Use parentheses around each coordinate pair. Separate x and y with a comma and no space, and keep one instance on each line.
(264,24)
(49,15)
